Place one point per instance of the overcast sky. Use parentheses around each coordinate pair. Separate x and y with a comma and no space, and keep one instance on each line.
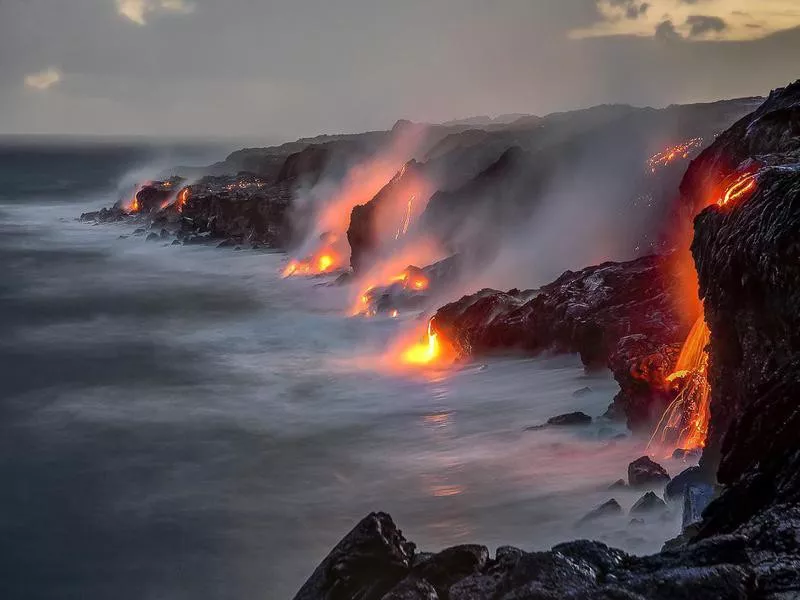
(285,68)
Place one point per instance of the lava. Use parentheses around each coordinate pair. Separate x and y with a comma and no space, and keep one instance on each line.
(740,189)
(684,423)
(425,352)
(183,196)
(318,264)
(403,229)
(673,153)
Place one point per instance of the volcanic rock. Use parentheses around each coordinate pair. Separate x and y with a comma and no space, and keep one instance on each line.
(573,418)
(152,237)
(607,509)
(580,393)
(618,484)
(677,486)
(369,561)
(648,503)
(365,234)
(620,315)
(645,472)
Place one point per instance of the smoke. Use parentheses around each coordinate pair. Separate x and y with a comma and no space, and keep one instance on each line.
(137,10)
(325,209)
(43,80)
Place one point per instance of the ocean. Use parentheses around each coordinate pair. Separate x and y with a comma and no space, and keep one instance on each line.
(180,422)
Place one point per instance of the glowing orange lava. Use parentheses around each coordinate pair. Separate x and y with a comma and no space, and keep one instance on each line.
(403,229)
(684,423)
(183,196)
(321,262)
(673,153)
(739,189)
(425,352)
(411,279)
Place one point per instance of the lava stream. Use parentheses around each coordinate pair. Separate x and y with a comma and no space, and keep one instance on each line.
(684,423)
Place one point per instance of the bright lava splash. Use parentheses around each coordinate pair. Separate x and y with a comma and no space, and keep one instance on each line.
(425,352)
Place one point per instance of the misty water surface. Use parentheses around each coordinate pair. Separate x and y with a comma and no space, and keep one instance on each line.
(179,422)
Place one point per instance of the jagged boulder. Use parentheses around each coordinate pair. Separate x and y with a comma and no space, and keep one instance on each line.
(369,561)
(646,472)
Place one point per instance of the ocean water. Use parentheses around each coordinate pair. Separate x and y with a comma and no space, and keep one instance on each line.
(179,422)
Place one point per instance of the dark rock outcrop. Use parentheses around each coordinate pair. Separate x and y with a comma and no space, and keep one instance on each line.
(649,503)
(646,472)
(573,418)
(367,563)
(620,315)
(609,508)
(746,253)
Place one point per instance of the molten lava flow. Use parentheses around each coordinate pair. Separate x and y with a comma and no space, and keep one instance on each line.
(684,423)
(740,189)
(183,196)
(425,352)
(403,229)
(323,261)
(673,153)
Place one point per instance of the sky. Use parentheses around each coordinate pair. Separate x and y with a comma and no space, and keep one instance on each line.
(289,68)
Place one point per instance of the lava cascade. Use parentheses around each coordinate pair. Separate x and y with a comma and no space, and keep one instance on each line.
(684,423)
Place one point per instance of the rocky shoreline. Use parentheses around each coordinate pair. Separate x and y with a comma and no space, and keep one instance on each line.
(624,316)
(746,544)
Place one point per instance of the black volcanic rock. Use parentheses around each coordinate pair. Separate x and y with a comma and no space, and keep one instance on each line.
(573,418)
(678,484)
(607,509)
(648,503)
(367,220)
(620,315)
(372,559)
(645,472)
(746,254)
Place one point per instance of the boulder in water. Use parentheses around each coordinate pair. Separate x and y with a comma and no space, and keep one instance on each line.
(607,509)
(649,503)
(646,472)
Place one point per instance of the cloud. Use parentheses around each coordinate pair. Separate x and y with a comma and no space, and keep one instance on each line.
(700,25)
(630,9)
(43,79)
(137,10)
(666,32)
(739,20)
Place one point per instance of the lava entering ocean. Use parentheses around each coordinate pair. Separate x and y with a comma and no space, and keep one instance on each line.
(431,350)
(326,259)
(684,423)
